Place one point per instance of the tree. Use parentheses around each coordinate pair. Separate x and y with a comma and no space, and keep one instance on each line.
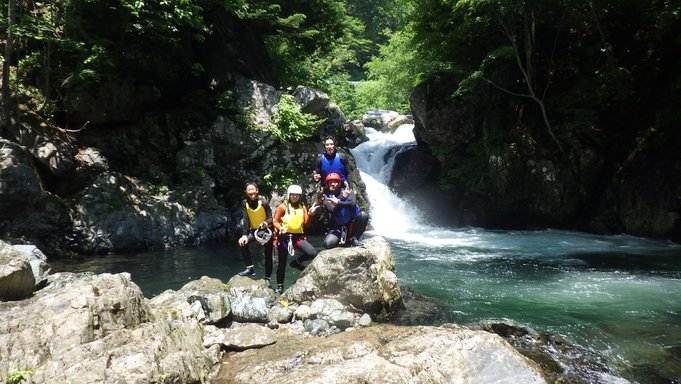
(9,43)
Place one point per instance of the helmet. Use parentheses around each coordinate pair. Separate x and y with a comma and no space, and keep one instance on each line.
(262,235)
(333,176)
(293,189)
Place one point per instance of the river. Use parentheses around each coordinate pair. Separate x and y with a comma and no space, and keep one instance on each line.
(615,296)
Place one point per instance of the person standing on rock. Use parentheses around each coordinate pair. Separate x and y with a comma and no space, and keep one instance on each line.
(346,219)
(332,161)
(290,220)
(255,222)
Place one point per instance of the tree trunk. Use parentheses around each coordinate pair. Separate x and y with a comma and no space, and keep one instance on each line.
(9,44)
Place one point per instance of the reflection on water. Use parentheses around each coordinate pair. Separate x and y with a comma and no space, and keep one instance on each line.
(156,271)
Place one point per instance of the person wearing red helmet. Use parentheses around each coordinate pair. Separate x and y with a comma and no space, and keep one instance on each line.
(347,221)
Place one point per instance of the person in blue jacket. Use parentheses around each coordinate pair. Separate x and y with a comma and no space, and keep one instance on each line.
(347,220)
(332,161)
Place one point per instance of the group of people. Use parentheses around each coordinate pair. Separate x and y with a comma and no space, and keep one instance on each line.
(347,221)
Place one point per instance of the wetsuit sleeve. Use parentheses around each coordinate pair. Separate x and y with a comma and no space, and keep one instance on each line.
(268,212)
(348,169)
(245,223)
(277,217)
(328,206)
(318,166)
(350,202)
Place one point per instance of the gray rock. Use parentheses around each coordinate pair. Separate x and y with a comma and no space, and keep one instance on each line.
(241,337)
(281,314)
(50,146)
(302,312)
(316,326)
(311,100)
(379,119)
(116,212)
(361,278)
(207,300)
(385,354)
(38,261)
(365,320)
(246,308)
(333,312)
(16,275)
(87,328)
(258,100)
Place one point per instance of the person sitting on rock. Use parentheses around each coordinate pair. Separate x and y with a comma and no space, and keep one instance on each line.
(290,220)
(256,218)
(332,161)
(346,219)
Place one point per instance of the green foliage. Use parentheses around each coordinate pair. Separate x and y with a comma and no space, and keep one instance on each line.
(197,69)
(280,179)
(199,172)
(290,124)
(396,71)
(227,101)
(298,30)
(159,190)
(15,377)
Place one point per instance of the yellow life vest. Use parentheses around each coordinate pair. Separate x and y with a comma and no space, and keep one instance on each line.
(293,220)
(256,216)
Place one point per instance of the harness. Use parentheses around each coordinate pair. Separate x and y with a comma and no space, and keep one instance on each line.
(291,241)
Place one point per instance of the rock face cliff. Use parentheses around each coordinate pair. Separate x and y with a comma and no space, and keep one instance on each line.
(167,179)
(498,170)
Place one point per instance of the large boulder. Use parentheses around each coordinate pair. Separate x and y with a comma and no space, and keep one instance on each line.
(202,299)
(257,100)
(23,269)
(385,121)
(385,354)
(27,211)
(311,100)
(116,212)
(362,278)
(19,184)
(96,329)
(50,146)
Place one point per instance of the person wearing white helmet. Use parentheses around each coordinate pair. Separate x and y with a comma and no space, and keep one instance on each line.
(290,220)
(256,218)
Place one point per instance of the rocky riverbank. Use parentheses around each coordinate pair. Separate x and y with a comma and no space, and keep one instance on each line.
(336,324)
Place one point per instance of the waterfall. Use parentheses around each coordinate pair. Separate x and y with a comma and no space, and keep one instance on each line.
(390,216)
